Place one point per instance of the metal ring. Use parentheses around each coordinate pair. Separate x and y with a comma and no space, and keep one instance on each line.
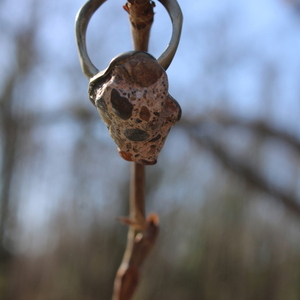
(175,13)
(87,10)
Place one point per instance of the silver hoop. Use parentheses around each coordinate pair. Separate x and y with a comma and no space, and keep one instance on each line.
(87,10)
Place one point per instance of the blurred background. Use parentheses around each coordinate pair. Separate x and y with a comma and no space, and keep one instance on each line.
(226,185)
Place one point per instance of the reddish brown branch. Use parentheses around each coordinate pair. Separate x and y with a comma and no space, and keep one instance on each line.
(141,19)
(140,245)
(137,194)
(142,234)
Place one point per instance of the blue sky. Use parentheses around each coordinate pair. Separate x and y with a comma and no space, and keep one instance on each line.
(255,34)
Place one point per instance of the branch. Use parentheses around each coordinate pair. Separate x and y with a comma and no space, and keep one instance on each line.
(141,19)
(140,245)
(142,234)
(243,170)
(261,127)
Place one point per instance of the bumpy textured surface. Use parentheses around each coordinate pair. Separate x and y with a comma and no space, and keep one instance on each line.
(132,98)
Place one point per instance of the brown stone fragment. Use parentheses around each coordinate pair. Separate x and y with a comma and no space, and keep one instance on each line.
(132,98)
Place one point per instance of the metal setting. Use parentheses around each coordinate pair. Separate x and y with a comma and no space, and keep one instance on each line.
(88,9)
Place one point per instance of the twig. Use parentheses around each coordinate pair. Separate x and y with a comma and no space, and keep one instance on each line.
(141,19)
(138,246)
(261,127)
(244,171)
(142,234)
(137,194)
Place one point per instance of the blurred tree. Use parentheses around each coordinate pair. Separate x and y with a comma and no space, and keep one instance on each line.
(62,184)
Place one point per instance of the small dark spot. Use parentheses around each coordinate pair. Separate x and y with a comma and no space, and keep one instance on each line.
(136,155)
(138,121)
(121,105)
(156,113)
(100,103)
(155,138)
(136,134)
(145,113)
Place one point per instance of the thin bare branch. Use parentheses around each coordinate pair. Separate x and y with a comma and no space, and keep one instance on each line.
(138,247)
(141,18)
(142,234)
(241,169)
(259,127)
(137,194)
(262,128)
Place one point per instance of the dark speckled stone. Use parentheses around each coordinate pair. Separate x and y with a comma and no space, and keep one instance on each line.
(121,105)
(136,135)
(156,138)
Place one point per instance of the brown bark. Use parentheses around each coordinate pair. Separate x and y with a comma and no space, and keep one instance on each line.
(142,233)
(141,18)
